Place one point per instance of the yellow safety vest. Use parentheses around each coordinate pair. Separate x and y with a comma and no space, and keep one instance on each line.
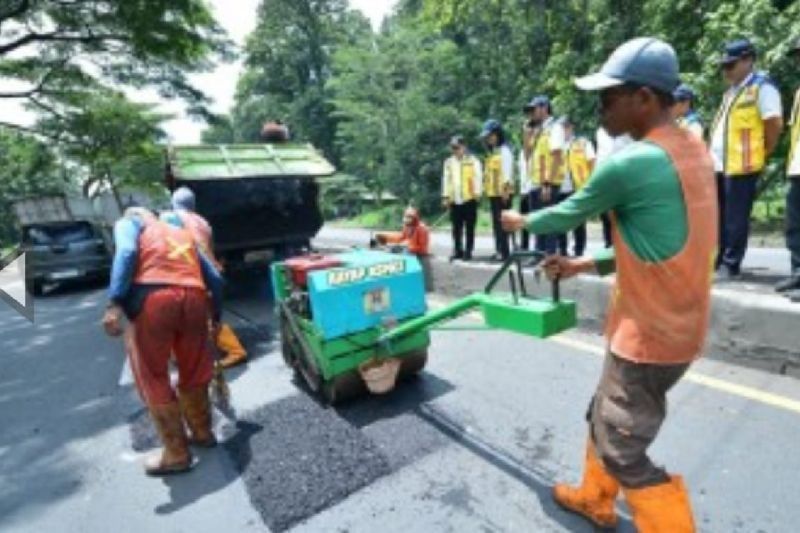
(744,151)
(542,161)
(466,176)
(493,179)
(577,163)
(794,135)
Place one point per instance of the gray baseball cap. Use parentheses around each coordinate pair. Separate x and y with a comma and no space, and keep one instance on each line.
(644,60)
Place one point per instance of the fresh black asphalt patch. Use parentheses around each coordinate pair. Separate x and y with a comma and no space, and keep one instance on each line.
(298,457)
(305,459)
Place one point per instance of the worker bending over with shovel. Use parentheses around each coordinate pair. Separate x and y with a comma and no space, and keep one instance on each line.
(183,203)
(160,281)
(661,192)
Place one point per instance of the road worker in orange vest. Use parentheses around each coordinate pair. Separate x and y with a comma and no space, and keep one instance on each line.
(160,280)
(660,191)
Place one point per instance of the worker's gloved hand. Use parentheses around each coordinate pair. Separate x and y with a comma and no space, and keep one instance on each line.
(380,238)
(560,267)
(112,321)
(512,221)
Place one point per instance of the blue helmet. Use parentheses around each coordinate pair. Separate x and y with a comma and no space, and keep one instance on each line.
(491,126)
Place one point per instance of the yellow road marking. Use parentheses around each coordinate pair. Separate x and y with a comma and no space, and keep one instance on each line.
(743,391)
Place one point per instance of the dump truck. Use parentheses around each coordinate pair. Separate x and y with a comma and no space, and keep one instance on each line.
(65,239)
(257,197)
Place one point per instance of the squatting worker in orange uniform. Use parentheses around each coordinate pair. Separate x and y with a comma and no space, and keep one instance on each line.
(160,281)
(661,193)
(416,237)
(183,202)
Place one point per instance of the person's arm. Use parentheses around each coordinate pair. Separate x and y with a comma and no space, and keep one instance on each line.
(214,284)
(772,134)
(478,178)
(445,184)
(770,108)
(421,239)
(602,193)
(390,237)
(126,239)
(507,160)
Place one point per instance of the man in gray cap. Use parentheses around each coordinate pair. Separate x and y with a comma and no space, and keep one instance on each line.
(661,193)
(791,286)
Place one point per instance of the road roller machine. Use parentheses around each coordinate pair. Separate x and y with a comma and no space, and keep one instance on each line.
(358,321)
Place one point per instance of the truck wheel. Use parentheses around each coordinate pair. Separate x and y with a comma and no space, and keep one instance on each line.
(38,288)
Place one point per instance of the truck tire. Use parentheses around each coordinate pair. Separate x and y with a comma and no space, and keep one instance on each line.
(38,288)
(413,363)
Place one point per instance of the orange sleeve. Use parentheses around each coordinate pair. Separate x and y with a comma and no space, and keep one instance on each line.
(393,237)
(420,241)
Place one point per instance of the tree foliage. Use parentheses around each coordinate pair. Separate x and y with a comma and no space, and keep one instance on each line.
(54,53)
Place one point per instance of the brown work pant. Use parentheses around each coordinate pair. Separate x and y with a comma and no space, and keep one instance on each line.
(626,414)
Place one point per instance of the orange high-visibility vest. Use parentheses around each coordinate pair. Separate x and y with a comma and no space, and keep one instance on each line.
(659,311)
(167,256)
(202,233)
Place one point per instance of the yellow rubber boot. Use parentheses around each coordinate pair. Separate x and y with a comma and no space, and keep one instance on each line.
(230,345)
(662,508)
(594,499)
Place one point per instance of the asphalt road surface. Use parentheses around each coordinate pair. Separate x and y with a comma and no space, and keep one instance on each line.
(472,445)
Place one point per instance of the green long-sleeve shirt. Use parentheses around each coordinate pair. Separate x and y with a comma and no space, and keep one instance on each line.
(641,186)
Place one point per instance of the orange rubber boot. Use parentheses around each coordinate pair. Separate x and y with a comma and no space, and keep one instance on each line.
(594,499)
(662,508)
(230,345)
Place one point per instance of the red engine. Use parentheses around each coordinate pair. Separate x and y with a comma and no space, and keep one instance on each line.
(301,266)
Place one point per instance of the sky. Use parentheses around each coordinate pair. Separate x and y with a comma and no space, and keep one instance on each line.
(220,85)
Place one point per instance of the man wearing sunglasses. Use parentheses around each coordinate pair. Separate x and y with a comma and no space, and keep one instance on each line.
(743,135)
(661,193)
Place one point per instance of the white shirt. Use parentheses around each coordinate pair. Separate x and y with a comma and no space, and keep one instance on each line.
(794,164)
(525,185)
(608,145)
(558,139)
(458,192)
(507,161)
(769,106)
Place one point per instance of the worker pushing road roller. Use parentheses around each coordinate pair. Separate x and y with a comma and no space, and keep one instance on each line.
(661,192)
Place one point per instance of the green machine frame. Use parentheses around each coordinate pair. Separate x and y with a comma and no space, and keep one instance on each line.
(331,367)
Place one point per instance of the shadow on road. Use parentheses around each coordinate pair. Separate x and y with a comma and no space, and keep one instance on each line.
(538,482)
(213,471)
(58,387)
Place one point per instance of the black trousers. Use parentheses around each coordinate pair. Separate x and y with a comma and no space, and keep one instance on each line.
(463,219)
(578,234)
(501,238)
(545,243)
(739,196)
(793,223)
(606,221)
(524,209)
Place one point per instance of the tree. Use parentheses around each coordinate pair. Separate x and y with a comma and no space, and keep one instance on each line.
(115,142)
(57,52)
(27,168)
(288,59)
